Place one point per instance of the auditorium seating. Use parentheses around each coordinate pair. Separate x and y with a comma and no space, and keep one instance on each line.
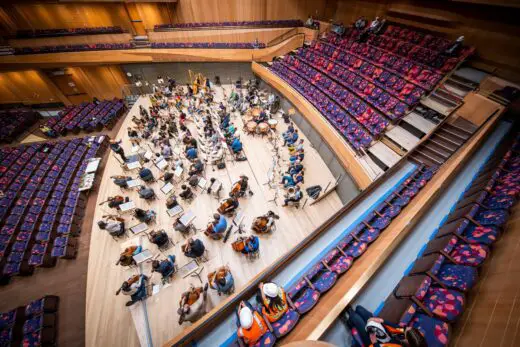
(32,325)
(41,207)
(22,34)
(236,45)
(431,296)
(72,48)
(14,122)
(353,132)
(87,116)
(286,23)
(305,290)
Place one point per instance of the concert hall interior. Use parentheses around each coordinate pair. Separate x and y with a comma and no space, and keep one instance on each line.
(259,173)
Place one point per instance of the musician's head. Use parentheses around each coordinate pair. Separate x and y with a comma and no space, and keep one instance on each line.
(216,216)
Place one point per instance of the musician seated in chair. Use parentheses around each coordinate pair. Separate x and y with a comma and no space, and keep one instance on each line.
(113,224)
(115,201)
(192,305)
(158,238)
(144,216)
(166,177)
(217,227)
(171,202)
(291,139)
(240,187)
(228,206)
(246,245)
(261,118)
(264,224)
(236,145)
(251,324)
(146,193)
(287,134)
(222,281)
(196,167)
(217,155)
(121,181)
(191,153)
(127,256)
(295,168)
(135,286)
(186,192)
(165,267)
(293,197)
(193,248)
(146,174)
(298,156)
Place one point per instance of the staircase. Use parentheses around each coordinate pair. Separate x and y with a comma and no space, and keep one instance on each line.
(6,50)
(443,142)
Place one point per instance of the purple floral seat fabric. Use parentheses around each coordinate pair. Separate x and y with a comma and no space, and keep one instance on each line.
(458,277)
(446,304)
(485,235)
(6,336)
(11,269)
(389,211)
(400,201)
(267,340)
(286,323)
(58,251)
(494,202)
(7,319)
(337,262)
(321,278)
(436,332)
(33,339)
(303,297)
(492,217)
(36,259)
(356,249)
(35,307)
(366,234)
(471,255)
(32,325)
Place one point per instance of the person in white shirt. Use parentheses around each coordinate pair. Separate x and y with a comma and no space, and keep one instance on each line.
(193,304)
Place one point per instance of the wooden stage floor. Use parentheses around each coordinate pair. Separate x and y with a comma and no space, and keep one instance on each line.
(109,322)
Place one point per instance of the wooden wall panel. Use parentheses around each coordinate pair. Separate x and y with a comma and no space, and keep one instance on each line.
(28,87)
(71,40)
(153,13)
(493,30)
(103,82)
(186,11)
(70,15)
(235,35)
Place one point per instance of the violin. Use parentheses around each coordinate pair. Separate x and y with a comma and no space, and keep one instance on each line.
(239,245)
(224,206)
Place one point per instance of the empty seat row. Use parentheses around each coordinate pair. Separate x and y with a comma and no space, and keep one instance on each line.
(418,38)
(42,206)
(87,116)
(14,122)
(372,120)
(68,32)
(351,130)
(306,291)
(433,293)
(284,23)
(407,91)
(413,71)
(377,97)
(72,48)
(32,325)
(222,45)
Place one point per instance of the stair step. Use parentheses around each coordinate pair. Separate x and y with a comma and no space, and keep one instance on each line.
(423,160)
(439,151)
(434,156)
(444,146)
(457,130)
(450,137)
(430,157)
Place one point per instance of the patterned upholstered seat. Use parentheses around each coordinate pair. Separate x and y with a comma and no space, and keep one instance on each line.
(405,313)
(499,202)
(458,277)
(337,262)
(367,234)
(321,277)
(303,297)
(492,217)
(267,340)
(286,323)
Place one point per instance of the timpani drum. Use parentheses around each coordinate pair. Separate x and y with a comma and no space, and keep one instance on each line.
(251,127)
(272,123)
(263,128)
(248,118)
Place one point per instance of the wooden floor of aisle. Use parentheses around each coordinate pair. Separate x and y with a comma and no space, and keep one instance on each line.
(492,315)
(109,322)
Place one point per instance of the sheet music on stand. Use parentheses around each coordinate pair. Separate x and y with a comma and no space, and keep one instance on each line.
(168,187)
(175,211)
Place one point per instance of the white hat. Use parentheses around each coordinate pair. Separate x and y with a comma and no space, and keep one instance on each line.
(379,330)
(246,317)
(271,290)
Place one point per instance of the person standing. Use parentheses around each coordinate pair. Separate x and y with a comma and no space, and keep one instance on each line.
(116,147)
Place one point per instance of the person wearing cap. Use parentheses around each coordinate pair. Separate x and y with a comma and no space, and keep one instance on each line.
(251,324)
(273,300)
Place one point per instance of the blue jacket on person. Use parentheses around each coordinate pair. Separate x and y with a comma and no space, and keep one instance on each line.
(221,226)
